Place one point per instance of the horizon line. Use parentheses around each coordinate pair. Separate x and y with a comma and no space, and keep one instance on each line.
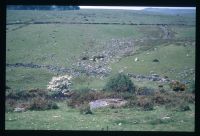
(131,7)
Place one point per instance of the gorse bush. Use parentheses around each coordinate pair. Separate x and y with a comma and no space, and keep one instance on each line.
(177,86)
(120,83)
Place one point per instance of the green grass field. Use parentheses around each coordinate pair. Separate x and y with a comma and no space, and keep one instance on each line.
(126,119)
(64,44)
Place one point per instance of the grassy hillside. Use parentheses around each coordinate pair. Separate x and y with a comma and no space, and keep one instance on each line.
(63,44)
(43,44)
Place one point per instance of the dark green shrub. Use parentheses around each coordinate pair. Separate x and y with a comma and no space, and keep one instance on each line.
(145,91)
(145,103)
(85,109)
(189,97)
(25,94)
(158,121)
(120,83)
(183,107)
(178,106)
(52,105)
(39,103)
(10,105)
(162,98)
(126,95)
(7,87)
(56,95)
(38,92)
(15,94)
(132,102)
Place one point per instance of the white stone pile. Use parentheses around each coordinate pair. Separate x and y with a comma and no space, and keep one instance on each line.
(60,84)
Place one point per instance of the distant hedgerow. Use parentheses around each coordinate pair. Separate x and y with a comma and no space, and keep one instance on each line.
(120,83)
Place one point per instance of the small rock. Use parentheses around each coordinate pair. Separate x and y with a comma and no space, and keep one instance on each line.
(17,109)
(165,118)
(56,116)
(136,59)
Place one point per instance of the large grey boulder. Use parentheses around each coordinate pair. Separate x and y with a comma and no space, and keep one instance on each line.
(102,103)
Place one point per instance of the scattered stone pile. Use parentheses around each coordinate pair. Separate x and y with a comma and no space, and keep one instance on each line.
(55,69)
(152,77)
(60,84)
(119,48)
(93,69)
(96,64)
(187,72)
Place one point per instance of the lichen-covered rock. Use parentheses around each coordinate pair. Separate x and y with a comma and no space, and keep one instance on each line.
(60,84)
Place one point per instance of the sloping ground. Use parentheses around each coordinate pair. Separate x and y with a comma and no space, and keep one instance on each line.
(107,47)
